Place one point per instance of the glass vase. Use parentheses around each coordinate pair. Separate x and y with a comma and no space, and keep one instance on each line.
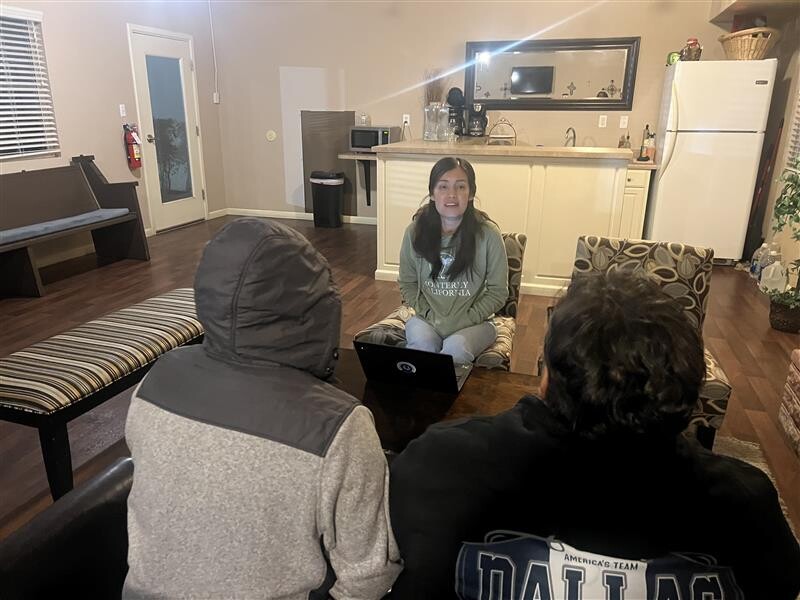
(431,130)
(443,124)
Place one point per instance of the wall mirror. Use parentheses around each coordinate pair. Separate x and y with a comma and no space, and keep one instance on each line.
(581,74)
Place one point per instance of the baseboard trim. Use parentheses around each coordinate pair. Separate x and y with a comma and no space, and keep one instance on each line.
(540,289)
(360,220)
(285,214)
(270,214)
(385,275)
(216,214)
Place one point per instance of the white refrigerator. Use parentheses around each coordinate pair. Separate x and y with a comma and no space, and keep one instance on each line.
(708,144)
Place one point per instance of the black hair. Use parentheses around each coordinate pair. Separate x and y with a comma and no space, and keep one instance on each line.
(427,235)
(623,360)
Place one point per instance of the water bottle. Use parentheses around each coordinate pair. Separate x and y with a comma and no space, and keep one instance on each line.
(773,255)
(755,267)
(773,278)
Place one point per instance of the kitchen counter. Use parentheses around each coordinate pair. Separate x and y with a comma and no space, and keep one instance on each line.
(551,194)
(476,148)
(642,166)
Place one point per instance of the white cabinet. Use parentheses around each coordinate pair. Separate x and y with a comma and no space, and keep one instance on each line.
(552,199)
(634,203)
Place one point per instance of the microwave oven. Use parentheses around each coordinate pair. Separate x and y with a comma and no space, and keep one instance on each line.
(363,138)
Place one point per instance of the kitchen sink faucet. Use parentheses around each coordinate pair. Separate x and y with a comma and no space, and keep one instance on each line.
(570,140)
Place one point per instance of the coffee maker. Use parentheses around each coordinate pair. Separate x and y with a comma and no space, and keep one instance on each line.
(455,101)
(477,120)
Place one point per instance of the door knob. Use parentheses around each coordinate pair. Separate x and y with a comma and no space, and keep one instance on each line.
(150,138)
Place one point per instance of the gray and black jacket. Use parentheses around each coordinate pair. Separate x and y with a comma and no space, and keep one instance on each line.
(249,469)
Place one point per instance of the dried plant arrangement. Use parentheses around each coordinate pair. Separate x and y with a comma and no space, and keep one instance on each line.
(434,86)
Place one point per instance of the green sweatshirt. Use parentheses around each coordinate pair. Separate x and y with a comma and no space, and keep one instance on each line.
(453,305)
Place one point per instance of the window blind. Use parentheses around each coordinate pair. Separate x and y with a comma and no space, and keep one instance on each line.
(27,118)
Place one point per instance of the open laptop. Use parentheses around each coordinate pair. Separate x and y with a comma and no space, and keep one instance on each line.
(417,368)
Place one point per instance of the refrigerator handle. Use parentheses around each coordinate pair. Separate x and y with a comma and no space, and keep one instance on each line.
(669,150)
(672,127)
(674,116)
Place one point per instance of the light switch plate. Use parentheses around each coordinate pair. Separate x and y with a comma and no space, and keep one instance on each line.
(122,111)
(623,122)
(602,121)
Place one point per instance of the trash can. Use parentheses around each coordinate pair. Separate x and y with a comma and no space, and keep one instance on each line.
(327,189)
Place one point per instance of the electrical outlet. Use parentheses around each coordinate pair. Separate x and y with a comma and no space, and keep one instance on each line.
(406,120)
(623,122)
(602,121)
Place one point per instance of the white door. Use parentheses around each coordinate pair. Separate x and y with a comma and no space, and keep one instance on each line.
(705,189)
(732,95)
(163,72)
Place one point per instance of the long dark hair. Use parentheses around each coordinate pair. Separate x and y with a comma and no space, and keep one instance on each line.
(427,235)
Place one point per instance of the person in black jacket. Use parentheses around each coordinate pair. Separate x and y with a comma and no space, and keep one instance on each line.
(590,491)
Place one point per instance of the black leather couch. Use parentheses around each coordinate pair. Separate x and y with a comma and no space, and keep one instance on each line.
(76,548)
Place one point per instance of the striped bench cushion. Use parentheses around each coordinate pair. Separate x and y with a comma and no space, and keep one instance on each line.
(64,369)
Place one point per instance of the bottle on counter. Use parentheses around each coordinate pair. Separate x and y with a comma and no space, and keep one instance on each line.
(650,147)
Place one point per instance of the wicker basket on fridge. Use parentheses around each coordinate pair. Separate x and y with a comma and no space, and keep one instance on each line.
(749,44)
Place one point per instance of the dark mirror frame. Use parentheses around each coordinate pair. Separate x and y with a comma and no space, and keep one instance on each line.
(631,44)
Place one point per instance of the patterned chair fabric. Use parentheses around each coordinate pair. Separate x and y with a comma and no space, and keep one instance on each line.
(68,367)
(683,272)
(391,331)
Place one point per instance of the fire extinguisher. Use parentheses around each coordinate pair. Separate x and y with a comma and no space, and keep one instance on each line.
(133,146)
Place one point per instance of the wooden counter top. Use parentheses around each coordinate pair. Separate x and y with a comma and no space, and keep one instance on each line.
(473,149)
(642,166)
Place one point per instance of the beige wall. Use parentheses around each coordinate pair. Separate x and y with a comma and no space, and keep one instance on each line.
(386,48)
(383,47)
(86,45)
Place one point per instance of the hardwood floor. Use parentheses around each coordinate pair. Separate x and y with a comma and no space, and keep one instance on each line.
(754,356)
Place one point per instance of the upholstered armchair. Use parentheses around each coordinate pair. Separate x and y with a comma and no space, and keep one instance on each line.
(683,272)
(391,330)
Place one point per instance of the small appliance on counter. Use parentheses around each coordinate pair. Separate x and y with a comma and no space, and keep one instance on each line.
(455,102)
(477,120)
(362,138)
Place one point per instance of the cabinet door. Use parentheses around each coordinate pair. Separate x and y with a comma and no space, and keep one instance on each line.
(632,220)
(637,214)
(503,192)
(406,186)
(578,199)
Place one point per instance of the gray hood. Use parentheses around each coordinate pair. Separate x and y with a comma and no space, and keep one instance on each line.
(266,296)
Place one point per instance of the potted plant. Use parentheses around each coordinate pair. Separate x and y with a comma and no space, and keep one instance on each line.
(784,307)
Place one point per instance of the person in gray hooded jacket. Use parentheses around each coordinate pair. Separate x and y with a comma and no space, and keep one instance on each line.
(251,473)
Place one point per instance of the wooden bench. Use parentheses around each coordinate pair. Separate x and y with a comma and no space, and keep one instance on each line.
(46,204)
(53,381)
